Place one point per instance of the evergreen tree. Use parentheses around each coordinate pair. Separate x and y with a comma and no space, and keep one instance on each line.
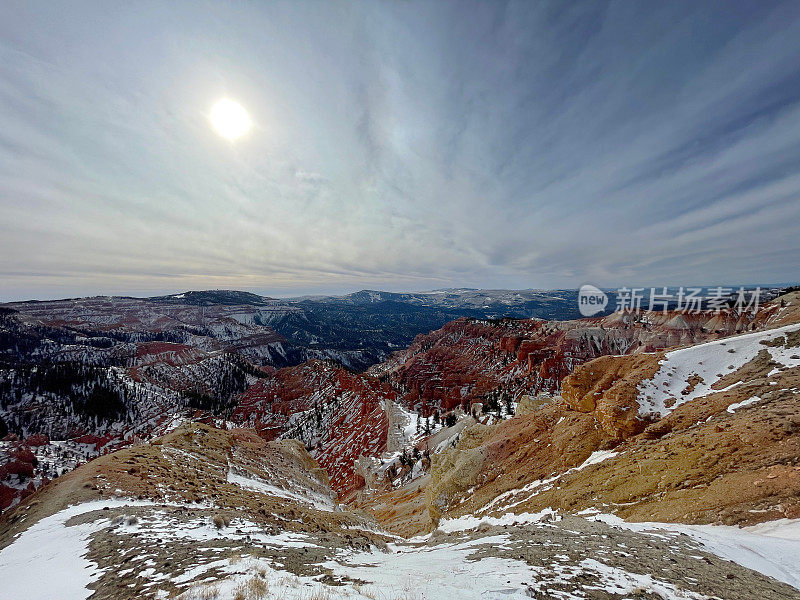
(509,406)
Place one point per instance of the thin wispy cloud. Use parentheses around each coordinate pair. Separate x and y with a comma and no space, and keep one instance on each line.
(397,145)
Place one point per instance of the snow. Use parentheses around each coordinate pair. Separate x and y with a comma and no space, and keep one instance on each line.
(530,489)
(788,529)
(534,487)
(192,574)
(409,569)
(414,425)
(318,501)
(595,458)
(441,572)
(470,522)
(159,527)
(50,548)
(732,408)
(613,580)
(770,548)
(412,420)
(172,423)
(446,571)
(710,362)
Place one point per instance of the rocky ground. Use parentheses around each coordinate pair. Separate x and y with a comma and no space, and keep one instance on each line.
(127,549)
(204,513)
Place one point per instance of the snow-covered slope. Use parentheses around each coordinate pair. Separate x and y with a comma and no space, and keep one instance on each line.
(145,546)
(697,371)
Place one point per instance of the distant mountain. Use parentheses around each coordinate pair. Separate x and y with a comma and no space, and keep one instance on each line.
(377,323)
(493,304)
(212,297)
(358,329)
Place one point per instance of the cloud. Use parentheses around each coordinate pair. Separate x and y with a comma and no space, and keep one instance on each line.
(398,145)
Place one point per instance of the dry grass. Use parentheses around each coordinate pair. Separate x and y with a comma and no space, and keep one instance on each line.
(205,592)
(210,593)
(365,591)
(254,589)
(257,588)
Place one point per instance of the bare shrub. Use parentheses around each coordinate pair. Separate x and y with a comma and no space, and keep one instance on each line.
(202,592)
(220,521)
(257,588)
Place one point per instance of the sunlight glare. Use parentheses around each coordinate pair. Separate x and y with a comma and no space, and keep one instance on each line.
(229,119)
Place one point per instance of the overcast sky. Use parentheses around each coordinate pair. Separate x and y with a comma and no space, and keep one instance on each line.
(397,145)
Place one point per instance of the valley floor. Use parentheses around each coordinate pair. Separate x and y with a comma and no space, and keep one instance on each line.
(140,549)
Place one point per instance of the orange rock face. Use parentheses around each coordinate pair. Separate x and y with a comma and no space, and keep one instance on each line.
(607,387)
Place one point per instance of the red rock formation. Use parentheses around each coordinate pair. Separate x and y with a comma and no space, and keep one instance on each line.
(339,415)
(465,359)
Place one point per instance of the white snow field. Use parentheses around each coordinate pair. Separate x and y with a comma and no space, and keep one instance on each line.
(770,548)
(710,362)
(48,561)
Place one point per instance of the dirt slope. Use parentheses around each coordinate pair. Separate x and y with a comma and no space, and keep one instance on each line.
(236,471)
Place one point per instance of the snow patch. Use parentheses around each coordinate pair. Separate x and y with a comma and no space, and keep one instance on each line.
(470,522)
(770,548)
(48,560)
(316,500)
(706,364)
(743,403)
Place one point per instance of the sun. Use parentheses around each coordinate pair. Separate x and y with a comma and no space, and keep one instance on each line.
(229,119)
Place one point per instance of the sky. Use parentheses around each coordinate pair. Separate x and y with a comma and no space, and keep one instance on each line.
(397,145)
